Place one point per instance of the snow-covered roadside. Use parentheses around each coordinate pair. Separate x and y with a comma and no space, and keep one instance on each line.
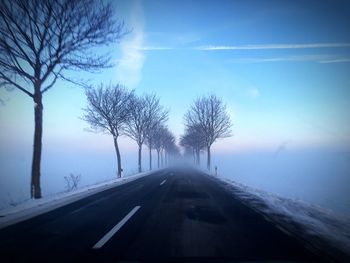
(319,229)
(34,207)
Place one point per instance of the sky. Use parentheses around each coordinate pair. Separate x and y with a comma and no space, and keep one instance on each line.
(281,67)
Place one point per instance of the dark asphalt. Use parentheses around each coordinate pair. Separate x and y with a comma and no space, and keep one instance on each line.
(190,217)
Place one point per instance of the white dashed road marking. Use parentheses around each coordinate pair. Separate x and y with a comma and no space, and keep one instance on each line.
(115,229)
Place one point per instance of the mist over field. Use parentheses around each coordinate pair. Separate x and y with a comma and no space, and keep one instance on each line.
(319,177)
(93,165)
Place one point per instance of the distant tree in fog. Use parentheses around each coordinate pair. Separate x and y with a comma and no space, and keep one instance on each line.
(157,141)
(164,143)
(209,116)
(145,114)
(170,147)
(194,138)
(40,40)
(108,110)
(157,117)
(150,143)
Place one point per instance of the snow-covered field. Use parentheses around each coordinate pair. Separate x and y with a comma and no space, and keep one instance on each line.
(94,167)
(33,207)
(320,176)
(319,228)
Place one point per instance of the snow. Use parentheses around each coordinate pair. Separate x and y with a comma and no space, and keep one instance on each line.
(34,207)
(320,229)
(316,176)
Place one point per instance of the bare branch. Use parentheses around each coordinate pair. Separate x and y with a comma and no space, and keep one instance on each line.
(41,39)
(108,108)
(208,119)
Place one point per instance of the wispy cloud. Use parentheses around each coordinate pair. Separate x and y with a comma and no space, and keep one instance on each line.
(302,58)
(313,58)
(129,66)
(324,59)
(274,46)
(336,60)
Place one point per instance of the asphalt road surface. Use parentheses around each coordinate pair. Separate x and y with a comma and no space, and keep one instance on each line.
(170,215)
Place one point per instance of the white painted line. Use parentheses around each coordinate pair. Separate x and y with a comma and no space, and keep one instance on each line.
(163,182)
(115,229)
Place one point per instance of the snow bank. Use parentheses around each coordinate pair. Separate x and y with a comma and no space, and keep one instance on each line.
(320,229)
(34,207)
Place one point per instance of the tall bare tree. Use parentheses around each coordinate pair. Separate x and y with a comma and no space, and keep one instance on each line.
(163,141)
(150,143)
(157,117)
(169,145)
(40,40)
(137,125)
(209,115)
(158,141)
(146,114)
(108,110)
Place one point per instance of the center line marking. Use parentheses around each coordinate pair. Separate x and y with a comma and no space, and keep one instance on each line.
(115,229)
(163,182)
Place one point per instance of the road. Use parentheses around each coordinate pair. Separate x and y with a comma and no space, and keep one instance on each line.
(170,215)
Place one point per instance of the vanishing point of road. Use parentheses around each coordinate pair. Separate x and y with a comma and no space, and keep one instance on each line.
(172,215)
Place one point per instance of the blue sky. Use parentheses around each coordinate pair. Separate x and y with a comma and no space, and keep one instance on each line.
(282,67)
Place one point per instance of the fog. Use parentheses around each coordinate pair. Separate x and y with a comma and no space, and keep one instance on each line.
(319,177)
(94,166)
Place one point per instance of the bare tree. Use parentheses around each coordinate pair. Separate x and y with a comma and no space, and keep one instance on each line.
(158,139)
(169,145)
(108,110)
(209,115)
(40,40)
(137,125)
(157,117)
(146,114)
(150,143)
(164,142)
(194,138)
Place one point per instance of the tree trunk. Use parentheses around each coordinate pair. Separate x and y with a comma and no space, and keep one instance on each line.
(119,162)
(35,189)
(208,158)
(139,161)
(198,157)
(158,157)
(150,157)
(161,158)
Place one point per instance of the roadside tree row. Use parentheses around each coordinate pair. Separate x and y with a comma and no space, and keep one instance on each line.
(120,112)
(206,121)
(163,141)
